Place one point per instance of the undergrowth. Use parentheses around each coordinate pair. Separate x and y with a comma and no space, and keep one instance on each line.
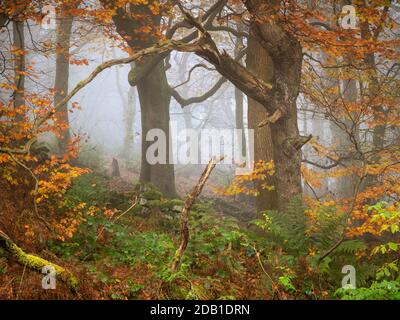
(126,251)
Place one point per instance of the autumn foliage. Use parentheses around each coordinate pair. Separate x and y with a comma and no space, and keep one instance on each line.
(349,208)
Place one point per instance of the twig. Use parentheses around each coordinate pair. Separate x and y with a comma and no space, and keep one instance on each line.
(263,269)
(20,283)
(118,217)
(199,65)
(159,48)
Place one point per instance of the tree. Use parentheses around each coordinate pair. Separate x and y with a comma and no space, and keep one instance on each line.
(282,65)
(129,113)
(63,36)
(19,67)
(260,63)
(239,97)
(154,107)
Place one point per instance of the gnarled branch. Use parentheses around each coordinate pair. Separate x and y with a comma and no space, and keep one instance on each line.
(185,102)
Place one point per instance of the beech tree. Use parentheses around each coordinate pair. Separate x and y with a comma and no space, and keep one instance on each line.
(63,37)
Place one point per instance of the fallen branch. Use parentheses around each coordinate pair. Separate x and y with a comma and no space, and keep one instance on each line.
(34,262)
(186,210)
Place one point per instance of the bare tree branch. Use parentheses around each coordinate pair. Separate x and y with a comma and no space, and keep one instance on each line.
(157,49)
(190,73)
(185,102)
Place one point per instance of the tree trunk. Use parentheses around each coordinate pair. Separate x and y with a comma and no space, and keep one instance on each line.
(345,184)
(129,123)
(19,66)
(155,114)
(129,113)
(187,110)
(379,131)
(286,57)
(115,168)
(63,34)
(320,131)
(153,92)
(259,62)
(239,112)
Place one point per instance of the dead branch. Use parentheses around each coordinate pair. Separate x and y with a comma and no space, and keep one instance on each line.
(186,210)
(271,119)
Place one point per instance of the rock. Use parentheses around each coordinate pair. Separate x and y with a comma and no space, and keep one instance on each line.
(177,208)
(142,201)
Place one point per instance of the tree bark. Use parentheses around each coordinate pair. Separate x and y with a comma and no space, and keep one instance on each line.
(155,114)
(260,63)
(239,98)
(184,218)
(285,68)
(63,34)
(153,91)
(19,67)
(34,262)
(129,113)
(379,131)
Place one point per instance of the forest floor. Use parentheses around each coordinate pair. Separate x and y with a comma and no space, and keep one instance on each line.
(129,256)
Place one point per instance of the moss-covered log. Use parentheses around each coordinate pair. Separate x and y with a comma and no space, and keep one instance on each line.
(12,251)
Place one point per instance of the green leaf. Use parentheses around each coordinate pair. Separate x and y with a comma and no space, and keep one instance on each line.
(394,228)
(392,246)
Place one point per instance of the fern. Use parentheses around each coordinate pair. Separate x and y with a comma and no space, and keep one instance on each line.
(329,227)
(351,246)
(292,236)
(288,229)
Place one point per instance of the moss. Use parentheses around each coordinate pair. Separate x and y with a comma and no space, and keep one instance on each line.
(152,194)
(147,191)
(118,200)
(176,202)
(202,207)
(137,209)
(176,292)
(155,203)
(37,263)
(132,76)
(3,261)
(165,205)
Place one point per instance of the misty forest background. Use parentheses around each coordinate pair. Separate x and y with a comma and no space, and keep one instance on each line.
(82,83)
